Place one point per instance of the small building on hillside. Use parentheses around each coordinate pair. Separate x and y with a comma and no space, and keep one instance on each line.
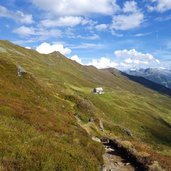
(98,90)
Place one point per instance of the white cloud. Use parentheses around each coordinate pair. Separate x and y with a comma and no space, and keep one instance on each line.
(124,65)
(156,60)
(31,31)
(24,18)
(141,34)
(160,5)
(136,58)
(76,58)
(46,48)
(130,6)
(132,54)
(48,33)
(125,59)
(101,27)
(127,21)
(77,8)
(88,46)
(131,61)
(128,61)
(114,33)
(163,18)
(65,21)
(103,62)
(17,16)
(25,31)
(89,37)
(130,18)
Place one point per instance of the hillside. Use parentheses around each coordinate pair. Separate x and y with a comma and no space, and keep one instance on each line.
(38,130)
(150,84)
(160,76)
(39,113)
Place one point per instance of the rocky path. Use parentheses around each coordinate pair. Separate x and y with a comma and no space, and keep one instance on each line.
(114,162)
(112,157)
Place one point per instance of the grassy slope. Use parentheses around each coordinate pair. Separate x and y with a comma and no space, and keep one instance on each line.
(37,130)
(125,104)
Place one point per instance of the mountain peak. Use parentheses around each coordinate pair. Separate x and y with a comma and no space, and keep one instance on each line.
(57,53)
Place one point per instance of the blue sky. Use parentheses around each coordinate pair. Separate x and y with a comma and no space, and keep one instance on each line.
(104,33)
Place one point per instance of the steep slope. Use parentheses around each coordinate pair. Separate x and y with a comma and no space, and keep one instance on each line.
(37,130)
(150,84)
(160,76)
(127,108)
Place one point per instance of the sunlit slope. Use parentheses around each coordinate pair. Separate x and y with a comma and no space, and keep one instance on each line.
(125,104)
(57,68)
(61,75)
(37,130)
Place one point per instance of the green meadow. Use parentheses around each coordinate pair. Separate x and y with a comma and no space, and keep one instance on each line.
(39,113)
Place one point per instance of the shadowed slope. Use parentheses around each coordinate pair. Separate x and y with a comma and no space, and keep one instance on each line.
(150,84)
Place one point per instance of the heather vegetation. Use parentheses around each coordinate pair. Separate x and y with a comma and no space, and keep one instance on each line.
(49,114)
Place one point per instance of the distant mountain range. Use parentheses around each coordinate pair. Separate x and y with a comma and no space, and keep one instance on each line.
(160,76)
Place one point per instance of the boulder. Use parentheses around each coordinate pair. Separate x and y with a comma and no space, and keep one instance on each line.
(21,71)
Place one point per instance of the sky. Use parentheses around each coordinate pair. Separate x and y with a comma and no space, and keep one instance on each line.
(125,34)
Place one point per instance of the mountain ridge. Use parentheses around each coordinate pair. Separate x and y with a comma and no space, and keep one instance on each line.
(157,75)
(65,95)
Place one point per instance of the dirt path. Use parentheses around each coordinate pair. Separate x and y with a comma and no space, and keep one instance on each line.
(114,162)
